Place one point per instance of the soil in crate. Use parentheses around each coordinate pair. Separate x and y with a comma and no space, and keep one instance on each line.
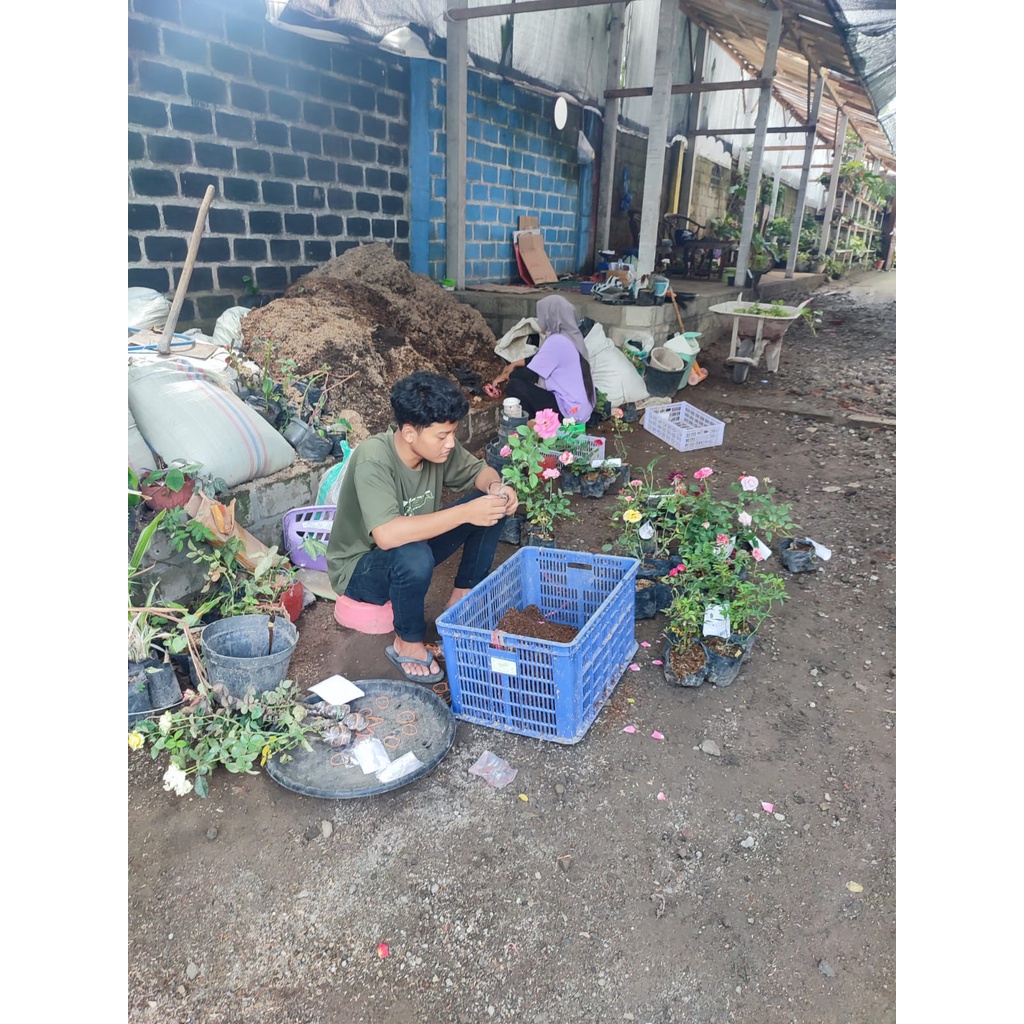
(530,621)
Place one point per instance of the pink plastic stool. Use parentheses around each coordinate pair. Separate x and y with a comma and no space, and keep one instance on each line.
(362,617)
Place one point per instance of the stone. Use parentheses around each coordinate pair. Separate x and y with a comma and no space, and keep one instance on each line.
(711,747)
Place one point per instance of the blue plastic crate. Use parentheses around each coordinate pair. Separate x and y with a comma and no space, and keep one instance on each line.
(536,687)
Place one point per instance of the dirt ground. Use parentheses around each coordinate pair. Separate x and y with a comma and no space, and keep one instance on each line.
(577,894)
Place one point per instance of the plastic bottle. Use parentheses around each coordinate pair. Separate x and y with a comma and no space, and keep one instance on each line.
(511,417)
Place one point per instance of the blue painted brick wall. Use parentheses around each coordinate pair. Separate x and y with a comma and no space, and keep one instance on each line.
(509,132)
(307,145)
(284,127)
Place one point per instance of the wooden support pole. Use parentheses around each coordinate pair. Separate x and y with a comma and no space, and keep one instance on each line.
(692,120)
(805,175)
(609,137)
(833,185)
(657,133)
(163,346)
(760,130)
(455,156)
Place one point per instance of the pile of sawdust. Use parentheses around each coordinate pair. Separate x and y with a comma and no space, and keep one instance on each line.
(371,321)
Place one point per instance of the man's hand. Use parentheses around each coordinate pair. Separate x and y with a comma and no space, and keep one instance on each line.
(486,510)
(510,498)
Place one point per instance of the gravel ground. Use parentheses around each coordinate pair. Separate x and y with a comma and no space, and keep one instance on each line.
(578,893)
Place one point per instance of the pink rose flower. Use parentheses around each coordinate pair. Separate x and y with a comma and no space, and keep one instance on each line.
(722,540)
(749,483)
(703,474)
(617,413)
(547,423)
(551,474)
(566,458)
(744,518)
(505,452)
(758,557)
(636,483)
(705,524)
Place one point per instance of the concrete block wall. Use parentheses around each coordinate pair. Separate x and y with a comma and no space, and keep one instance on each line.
(517,164)
(710,190)
(306,143)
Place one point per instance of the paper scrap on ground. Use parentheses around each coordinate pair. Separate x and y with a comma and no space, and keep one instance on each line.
(821,551)
(337,690)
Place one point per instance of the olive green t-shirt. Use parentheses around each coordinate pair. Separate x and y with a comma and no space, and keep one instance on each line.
(377,487)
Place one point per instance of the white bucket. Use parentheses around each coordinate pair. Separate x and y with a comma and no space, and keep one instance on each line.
(684,344)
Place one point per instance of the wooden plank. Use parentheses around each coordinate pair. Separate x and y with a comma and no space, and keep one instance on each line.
(524,7)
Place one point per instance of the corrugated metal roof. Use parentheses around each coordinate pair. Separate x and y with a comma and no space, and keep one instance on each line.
(815,36)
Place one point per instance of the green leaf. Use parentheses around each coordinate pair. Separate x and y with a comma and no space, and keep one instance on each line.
(202,787)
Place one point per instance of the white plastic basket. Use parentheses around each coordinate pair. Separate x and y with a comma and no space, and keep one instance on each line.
(683,426)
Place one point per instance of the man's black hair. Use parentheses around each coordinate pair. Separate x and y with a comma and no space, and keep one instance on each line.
(425,398)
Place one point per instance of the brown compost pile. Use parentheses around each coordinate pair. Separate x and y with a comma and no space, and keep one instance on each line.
(371,321)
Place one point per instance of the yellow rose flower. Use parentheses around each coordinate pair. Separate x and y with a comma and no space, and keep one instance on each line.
(134,740)
(632,515)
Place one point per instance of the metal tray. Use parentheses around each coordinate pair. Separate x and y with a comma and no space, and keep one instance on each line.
(312,774)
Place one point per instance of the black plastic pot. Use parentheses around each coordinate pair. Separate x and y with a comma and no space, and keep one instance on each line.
(511,530)
(694,678)
(724,660)
(271,411)
(536,537)
(314,448)
(592,488)
(570,483)
(152,687)
(797,554)
(645,599)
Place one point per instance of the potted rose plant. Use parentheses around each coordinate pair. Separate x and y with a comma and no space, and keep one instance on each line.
(532,471)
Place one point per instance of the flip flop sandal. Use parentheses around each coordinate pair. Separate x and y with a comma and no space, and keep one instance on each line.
(400,661)
(491,391)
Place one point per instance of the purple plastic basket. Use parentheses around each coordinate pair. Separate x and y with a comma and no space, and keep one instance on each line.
(309,521)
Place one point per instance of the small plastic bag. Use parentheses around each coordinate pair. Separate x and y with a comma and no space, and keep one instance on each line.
(493,770)
(405,765)
(370,754)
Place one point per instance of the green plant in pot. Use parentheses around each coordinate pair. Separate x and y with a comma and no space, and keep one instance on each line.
(685,661)
(532,472)
(170,487)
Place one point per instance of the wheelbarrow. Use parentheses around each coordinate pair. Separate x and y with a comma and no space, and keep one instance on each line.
(757,329)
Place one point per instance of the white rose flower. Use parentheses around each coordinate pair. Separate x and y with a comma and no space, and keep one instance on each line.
(175,778)
(164,723)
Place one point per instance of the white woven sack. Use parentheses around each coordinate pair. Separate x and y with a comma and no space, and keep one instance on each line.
(228,329)
(140,457)
(184,414)
(612,371)
(147,308)
(514,345)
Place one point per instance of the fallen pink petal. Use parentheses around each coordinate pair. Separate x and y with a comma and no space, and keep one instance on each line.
(657,661)
(634,667)
(656,735)
(768,808)
(644,643)
(661,796)
(630,729)
(382,950)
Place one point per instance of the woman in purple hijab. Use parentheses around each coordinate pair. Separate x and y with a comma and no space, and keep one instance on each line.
(558,377)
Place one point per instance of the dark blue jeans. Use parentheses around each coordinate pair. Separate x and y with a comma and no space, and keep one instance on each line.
(402,575)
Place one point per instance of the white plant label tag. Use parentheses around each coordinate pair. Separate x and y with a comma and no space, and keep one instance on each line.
(646,532)
(716,622)
(503,666)
(821,551)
